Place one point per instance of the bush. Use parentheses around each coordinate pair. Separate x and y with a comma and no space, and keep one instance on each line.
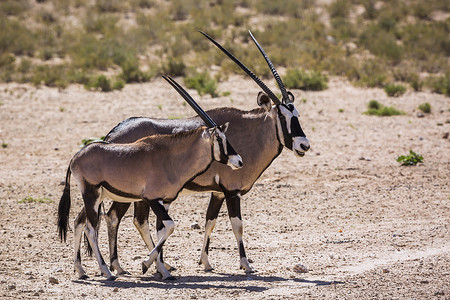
(52,76)
(132,73)
(374,104)
(377,109)
(410,160)
(440,84)
(118,85)
(416,83)
(371,73)
(425,107)
(103,83)
(203,83)
(394,90)
(300,79)
(174,67)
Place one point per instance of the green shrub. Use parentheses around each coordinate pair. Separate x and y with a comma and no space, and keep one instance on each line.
(339,9)
(103,83)
(410,160)
(425,107)
(50,75)
(36,200)
(203,83)
(132,73)
(374,104)
(300,79)
(174,67)
(416,83)
(118,85)
(394,90)
(371,73)
(377,109)
(440,84)
(90,140)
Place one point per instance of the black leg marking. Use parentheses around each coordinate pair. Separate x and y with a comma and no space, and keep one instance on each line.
(215,203)
(113,219)
(234,213)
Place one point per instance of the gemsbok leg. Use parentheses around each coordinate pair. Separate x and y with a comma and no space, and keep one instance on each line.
(165,229)
(78,229)
(92,200)
(113,217)
(233,200)
(215,203)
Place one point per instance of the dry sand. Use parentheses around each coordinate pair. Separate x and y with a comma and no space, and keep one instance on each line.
(364,226)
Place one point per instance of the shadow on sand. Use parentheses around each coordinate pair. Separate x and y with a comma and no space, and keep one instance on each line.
(218,281)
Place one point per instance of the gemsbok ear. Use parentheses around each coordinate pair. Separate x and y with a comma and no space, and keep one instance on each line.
(264,101)
(224,127)
(290,97)
(208,133)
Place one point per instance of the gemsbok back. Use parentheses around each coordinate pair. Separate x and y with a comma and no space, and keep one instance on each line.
(152,170)
(259,136)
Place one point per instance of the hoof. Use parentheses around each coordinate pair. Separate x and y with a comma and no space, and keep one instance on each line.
(209,270)
(124,273)
(111,278)
(83,277)
(144,268)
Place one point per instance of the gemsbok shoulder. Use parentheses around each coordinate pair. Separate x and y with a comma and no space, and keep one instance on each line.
(258,135)
(152,170)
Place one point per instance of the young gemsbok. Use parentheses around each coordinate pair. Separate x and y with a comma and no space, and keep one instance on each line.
(153,170)
(258,135)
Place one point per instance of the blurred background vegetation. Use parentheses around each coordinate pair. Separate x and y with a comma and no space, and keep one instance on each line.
(107,43)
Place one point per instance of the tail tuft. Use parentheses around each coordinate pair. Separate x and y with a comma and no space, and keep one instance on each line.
(64,209)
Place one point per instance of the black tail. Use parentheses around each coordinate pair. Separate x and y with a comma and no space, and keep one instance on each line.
(64,209)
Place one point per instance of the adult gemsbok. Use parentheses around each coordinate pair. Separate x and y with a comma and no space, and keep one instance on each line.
(154,169)
(258,135)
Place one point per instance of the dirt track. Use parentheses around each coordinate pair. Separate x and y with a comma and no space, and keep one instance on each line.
(364,226)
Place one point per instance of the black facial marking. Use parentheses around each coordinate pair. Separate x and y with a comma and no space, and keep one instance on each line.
(296,129)
(230,149)
(286,136)
(223,154)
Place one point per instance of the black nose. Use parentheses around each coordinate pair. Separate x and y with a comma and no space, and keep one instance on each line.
(240,163)
(306,148)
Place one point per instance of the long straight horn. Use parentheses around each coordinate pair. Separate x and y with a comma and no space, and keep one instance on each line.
(247,70)
(207,119)
(272,68)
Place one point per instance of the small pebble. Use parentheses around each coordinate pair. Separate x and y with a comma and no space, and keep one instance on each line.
(386,271)
(11,287)
(115,290)
(195,225)
(53,280)
(300,268)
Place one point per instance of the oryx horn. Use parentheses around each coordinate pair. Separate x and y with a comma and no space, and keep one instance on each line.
(247,70)
(272,68)
(207,119)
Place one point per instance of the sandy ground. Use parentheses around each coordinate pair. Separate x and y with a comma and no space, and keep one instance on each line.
(364,226)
